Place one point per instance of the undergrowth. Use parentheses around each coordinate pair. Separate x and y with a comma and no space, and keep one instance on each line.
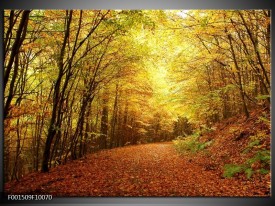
(259,163)
(190,144)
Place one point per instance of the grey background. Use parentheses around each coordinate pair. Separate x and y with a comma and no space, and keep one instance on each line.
(132,4)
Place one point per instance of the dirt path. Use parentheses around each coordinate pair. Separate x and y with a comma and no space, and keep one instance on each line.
(143,170)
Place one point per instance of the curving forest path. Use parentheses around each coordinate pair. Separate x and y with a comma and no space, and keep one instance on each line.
(140,170)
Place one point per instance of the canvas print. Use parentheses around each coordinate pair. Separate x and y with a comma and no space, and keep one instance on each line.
(137,103)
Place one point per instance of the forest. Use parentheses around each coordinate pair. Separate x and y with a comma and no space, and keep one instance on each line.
(81,82)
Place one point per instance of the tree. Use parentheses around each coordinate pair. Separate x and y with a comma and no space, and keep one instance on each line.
(77,81)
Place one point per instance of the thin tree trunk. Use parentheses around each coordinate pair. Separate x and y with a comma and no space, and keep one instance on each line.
(104,124)
(239,76)
(114,120)
(20,36)
(13,60)
(55,117)
(255,46)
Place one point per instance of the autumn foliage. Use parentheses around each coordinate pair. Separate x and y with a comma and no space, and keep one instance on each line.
(159,170)
(79,85)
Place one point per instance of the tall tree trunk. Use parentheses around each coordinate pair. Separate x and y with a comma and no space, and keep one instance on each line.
(13,59)
(256,48)
(57,101)
(104,124)
(239,75)
(114,120)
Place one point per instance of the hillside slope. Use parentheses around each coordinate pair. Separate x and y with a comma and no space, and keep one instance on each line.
(242,146)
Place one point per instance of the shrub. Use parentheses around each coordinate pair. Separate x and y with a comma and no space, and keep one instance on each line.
(249,172)
(261,159)
(190,144)
(231,169)
(262,156)
(251,145)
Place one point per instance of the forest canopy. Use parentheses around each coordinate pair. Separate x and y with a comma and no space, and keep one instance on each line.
(78,81)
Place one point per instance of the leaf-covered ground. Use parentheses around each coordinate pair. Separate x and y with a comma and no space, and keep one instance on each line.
(142,170)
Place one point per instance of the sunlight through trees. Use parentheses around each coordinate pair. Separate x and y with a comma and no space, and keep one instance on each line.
(78,81)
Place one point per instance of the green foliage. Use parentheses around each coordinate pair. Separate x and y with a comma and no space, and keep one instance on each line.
(262,97)
(255,141)
(257,163)
(205,130)
(249,172)
(265,120)
(231,169)
(263,171)
(190,144)
(251,145)
(262,157)
(204,145)
(187,144)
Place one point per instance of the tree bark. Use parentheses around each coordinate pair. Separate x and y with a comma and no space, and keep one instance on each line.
(57,101)
(104,124)
(239,76)
(20,36)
